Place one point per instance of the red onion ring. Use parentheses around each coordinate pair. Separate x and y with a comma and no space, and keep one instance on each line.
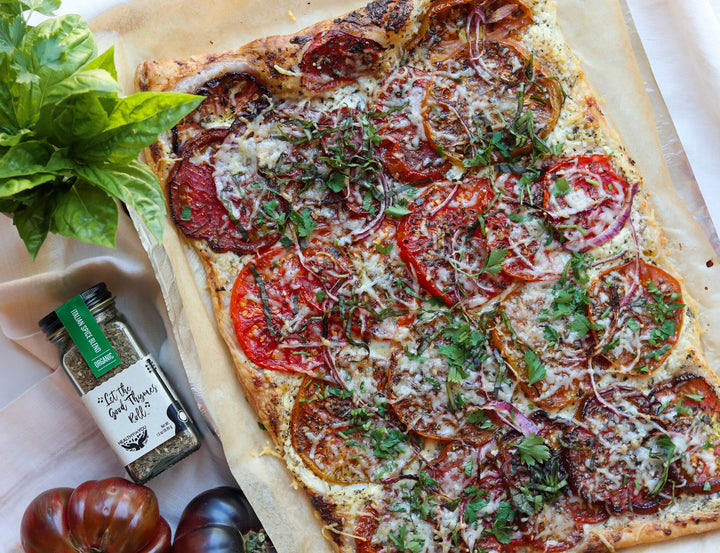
(512,416)
(612,230)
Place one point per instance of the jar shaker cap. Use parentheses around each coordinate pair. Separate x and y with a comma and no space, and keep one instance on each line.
(93,296)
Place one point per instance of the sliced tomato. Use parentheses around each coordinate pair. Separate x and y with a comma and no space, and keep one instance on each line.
(534,251)
(199,213)
(277,316)
(428,403)
(342,442)
(617,456)
(227,98)
(451,23)
(586,200)
(637,313)
(336,57)
(689,406)
(442,241)
(481,108)
(405,150)
(538,341)
(366,524)
(456,468)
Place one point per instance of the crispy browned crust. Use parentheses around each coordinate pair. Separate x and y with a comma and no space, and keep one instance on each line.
(274,61)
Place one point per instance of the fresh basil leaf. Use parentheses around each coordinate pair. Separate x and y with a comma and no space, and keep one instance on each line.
(73,121)
(32,220)
(83,82)
(86,213)
(104,62)
(134,184)
(135,123)
(28,158)
(397,211)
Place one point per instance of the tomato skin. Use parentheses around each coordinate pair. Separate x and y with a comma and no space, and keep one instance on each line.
(337,57)
(99,516)
(215,521)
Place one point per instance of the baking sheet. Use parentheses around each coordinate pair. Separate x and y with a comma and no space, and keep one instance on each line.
(163,29)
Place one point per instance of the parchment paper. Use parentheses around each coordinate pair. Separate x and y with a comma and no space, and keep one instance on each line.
(164,29)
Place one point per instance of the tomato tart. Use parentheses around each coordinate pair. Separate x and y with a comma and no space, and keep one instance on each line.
(442,285)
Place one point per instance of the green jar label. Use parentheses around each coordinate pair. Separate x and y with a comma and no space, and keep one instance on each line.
(88,336)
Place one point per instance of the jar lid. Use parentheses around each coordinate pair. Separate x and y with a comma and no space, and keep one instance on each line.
(92,297)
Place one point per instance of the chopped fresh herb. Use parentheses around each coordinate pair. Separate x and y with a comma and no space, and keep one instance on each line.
(385,250)
(561,188)
(186,213)
(304,223)
(397,211)
(533,450)
(665,451)
(535,369)
(494,260)
(502,525)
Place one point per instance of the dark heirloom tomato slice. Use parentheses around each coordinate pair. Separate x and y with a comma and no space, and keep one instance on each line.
(586,200)
(442,241)
(478,107)
(428,403)
(530,346)
(690,407)
(277,316)
(343,442)
(231,96)
(452,23)
(637,314)
(533,249)
(619,455)
(199,213)
(336,57)
(405,151)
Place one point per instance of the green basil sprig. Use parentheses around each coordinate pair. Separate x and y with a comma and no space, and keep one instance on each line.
(69,143)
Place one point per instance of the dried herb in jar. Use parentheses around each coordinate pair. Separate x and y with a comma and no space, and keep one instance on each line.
(121,384)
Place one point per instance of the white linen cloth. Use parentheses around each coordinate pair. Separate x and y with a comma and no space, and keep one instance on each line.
(46,437)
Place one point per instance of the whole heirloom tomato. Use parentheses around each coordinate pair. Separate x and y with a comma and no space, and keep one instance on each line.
(220,520)
(99,516)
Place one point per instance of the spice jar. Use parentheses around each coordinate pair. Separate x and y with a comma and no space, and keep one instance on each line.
(121,384)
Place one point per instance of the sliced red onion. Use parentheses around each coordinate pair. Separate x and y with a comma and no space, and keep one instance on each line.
(370,228)
(612,230)
(512,416)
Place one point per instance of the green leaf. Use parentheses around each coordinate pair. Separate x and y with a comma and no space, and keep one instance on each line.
(29,158)
(86,213)
(533,450)
(536,369)
(104,62)
(135,123)
(134,184)
(52,52)
(562,187)
(304,223)
(397,211)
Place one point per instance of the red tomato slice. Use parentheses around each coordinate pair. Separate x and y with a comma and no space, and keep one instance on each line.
(198,211)
(336,57)
(690,407)
(586,200)
(281,328)
(637,313)
(442,241)
(533,250)
(405,151)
